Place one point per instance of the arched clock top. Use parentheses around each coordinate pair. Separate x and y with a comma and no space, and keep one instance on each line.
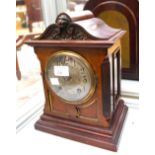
(81,26)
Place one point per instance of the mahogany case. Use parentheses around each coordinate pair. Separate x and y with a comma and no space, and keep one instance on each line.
(99,121)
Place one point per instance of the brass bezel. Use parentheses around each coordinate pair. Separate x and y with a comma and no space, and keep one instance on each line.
(90,70)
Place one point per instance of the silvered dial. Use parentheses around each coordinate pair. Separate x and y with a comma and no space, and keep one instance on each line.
(70,77)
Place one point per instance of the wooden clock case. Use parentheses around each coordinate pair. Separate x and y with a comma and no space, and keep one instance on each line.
(99,121)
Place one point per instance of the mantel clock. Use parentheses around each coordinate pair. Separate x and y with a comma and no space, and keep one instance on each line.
(80,63)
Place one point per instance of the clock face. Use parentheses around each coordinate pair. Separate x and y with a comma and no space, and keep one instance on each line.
(70,77)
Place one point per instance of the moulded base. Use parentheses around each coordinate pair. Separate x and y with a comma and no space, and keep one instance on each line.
(106,138)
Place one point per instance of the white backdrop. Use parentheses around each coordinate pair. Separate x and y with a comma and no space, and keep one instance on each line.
(51,8)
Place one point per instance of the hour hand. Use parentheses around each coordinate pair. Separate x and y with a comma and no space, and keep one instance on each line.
(67,78)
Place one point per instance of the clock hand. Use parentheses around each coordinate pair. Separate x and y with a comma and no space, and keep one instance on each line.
(68,78)
(78,91)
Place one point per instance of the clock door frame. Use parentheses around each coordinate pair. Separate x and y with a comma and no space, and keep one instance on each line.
(129,9)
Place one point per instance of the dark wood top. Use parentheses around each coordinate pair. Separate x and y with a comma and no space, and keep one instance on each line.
(97,28)
(81,29)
